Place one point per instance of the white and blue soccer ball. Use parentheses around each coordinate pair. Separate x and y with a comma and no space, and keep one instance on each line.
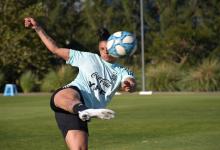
(121,43)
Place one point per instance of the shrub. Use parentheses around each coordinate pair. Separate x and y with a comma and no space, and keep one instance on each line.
(28,81)
(66,74)
(50,82)
(164,77)
(138,77)
(57,78)
(206,77)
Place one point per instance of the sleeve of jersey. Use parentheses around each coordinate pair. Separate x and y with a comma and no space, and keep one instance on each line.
(76,57)
(126,73)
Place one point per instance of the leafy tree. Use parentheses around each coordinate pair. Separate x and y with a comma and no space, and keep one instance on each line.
(186,35)
(179,31)
(20,49)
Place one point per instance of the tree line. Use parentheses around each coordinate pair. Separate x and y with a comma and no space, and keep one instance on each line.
(179,32)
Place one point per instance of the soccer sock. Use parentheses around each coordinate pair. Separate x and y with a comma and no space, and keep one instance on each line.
(79,107)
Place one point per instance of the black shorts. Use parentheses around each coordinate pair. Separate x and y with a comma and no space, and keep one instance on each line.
(65,120)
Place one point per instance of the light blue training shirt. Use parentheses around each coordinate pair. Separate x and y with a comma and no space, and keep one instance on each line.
(97,79)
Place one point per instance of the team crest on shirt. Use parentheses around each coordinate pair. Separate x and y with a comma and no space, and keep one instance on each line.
(103,83)
(101,80)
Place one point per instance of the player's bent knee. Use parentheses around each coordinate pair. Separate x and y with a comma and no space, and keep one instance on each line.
(57,99)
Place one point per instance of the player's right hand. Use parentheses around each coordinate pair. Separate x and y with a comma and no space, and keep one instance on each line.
(30,23)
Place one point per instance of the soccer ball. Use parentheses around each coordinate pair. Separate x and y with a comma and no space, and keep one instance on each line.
(121,43)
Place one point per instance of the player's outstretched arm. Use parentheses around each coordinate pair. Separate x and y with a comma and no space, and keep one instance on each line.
(47,40)
(129,85)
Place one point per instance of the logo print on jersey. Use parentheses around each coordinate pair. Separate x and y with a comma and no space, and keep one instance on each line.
(102,82)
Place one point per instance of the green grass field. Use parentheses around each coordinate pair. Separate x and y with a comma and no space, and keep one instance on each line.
(157,122)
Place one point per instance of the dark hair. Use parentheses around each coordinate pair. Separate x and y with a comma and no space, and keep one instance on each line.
(103,34)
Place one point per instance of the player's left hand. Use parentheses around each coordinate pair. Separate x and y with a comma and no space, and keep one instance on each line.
(129,85)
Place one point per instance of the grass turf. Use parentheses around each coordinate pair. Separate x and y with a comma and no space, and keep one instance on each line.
(157,122)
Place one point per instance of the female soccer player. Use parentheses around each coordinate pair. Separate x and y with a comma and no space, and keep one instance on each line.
(87,96)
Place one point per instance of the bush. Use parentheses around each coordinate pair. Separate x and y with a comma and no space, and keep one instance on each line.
(28,81)
(206,77)
(138,77)
(164,77)
(66,74)
(50,82)
(58,78)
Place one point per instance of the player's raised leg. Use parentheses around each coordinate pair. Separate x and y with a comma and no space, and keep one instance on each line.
(67,99)
(70,100)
